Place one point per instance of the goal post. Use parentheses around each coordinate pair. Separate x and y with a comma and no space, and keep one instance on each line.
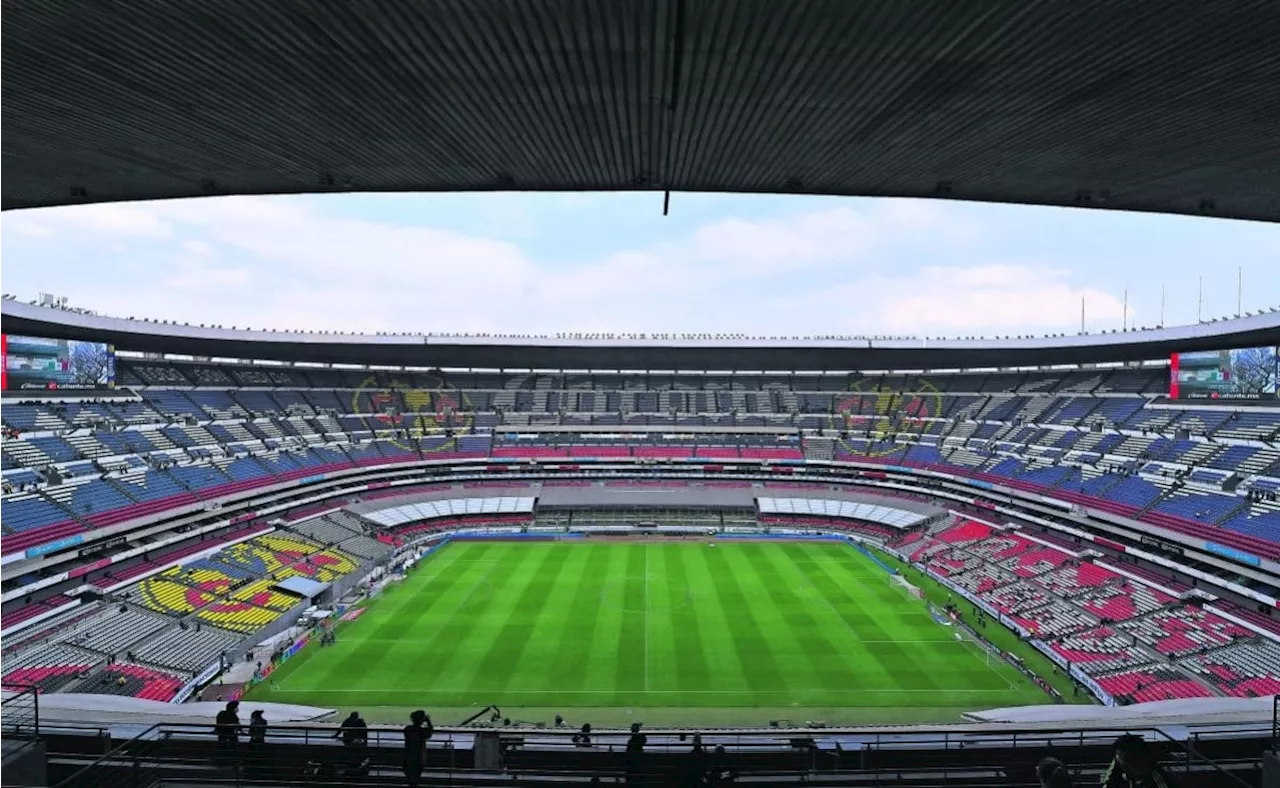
(981,650)
(905,587)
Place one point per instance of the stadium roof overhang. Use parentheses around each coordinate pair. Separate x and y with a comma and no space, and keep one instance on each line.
(1170,107)
(483,352)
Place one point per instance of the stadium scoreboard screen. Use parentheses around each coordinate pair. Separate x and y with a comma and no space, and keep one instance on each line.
(1243,373)
(34,363)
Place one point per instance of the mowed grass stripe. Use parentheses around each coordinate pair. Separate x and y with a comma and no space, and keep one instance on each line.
(533,622)
(755,652)
(790,651)
(714,631)
(694,670)
(630,673)
(831,650)
(585,573)
(592,624)
(662,596)
(602,650)
(388,644)
(874,618)
(483,644)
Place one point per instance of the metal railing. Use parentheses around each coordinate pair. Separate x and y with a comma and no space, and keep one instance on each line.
(1191,760)
(20,712)
(1275,723)
(173,753)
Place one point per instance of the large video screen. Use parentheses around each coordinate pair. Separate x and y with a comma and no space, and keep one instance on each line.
(1244,373)
(31,363)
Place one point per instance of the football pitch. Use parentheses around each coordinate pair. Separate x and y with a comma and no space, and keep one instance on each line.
(779,626)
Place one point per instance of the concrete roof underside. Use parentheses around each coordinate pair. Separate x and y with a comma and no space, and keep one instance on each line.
(1170,107)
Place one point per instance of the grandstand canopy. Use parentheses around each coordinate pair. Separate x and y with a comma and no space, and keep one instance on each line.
(713,353)
(1170,106)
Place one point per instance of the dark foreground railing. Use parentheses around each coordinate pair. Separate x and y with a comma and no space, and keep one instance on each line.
(169,754)
(20,712)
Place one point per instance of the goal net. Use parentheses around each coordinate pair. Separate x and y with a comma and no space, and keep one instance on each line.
(911,591)
(986,653)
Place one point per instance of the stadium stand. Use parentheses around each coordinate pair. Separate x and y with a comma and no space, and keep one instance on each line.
(1048,433)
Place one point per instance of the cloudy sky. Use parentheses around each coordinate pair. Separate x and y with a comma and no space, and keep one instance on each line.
(530,263)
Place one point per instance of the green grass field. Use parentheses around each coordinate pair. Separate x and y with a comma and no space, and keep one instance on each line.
(743,631)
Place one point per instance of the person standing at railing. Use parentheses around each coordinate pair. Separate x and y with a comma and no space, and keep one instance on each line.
(255,759)
(257,728)
(634,758)
(355,736)
(695,771)
(227,726)
(1135,766)
(416,734)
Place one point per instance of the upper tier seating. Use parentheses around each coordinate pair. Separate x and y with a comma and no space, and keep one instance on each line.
(294,419)
(1122,600)
(51,667)
(1101,650)
(1036,561)
(1055,618)
(1185,629)
(186,650)
(139,681)
(1152,682)
(1246,670)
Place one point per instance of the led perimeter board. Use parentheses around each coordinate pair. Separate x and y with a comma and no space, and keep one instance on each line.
(1243,373)
(31,363)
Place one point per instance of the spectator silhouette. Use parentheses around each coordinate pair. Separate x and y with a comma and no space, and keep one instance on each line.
(583,737)
(1052,774)
(355,736)
(255,758)
(416,734)
(721,772)
(1135,766)
(227,726)
(696,766)
(353,731)
(257,728)
(635,755)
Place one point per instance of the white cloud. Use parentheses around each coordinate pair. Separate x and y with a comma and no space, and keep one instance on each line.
(107,219)
(993,298)
(197,248)
(283,263)
(210,280)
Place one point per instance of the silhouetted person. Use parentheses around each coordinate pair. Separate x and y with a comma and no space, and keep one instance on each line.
(227,725)
(354,732)
(635,754)
(255,758)
(416,734)
(1135,766)
(583,737)
(355,735)
(1052,774)
(257,728)
(696,768)
(721,772)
